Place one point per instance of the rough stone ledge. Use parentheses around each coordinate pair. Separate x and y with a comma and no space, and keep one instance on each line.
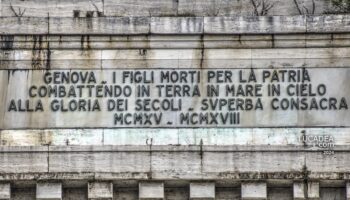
(175,25)
(273,177)
(225,178)
(185,137)
(241,41)
(169,148)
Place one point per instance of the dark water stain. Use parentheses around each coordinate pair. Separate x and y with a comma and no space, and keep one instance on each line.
(7,42)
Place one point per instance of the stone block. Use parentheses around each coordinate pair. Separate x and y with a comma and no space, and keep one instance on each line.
(178,25)
(254,24)
(104,25)
(202,190)
(313,190)
(299,190)
(151,190)
(254,190)
(5,191)
(100,190)
(48,191)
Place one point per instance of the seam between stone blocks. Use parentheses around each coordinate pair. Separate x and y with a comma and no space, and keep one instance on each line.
(48,158)
(150,159)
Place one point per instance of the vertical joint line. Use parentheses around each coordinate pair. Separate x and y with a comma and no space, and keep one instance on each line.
(306,24)
(48,158)
(48,57)
(101,61)
(150,159)
(201,153)
(103,136)
(251,58)
(48,23)
(202,51)
(103,7)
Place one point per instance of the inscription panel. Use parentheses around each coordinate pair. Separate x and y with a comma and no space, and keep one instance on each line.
(295,97)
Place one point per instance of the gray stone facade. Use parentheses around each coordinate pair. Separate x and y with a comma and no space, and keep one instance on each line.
(280,152)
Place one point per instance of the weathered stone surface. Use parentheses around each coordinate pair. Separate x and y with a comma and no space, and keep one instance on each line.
(313,190)
(173,25)
(172,163)
(151,190)
(246,8)
(176,35)
(87,43)
(126,193)
(299,191)
(134,25)
(3,78)
(24,162)
(253,137)
(173,58)
(254,25)
(24,193)
(75,193)
(282,193)
(187,165)
(245,162)
(21,25)
(43,8)
(105,25)
(111,162)
(202,190)
(347,189)
(332,193)
(100,190)
(5,191)
(254,190)
(176,193)
(273,112)
(328,24)
(98,8)
(223,193)
(329,163)
(48,190)
(140,8)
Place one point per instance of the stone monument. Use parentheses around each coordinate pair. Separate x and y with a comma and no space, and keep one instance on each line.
(175,99)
